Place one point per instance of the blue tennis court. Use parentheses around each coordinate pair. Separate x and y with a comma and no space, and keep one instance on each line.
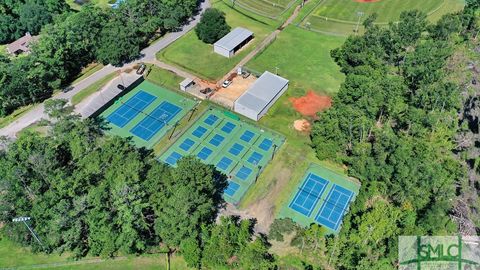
(224,163)
(228,127)
(247,136)
(125,113)
(173,158)
(309,194)
(199,132)
(255,158)
(186,144)
(156,120)
(236,149)
(211,119)
(266,144)
(334,207)
(232,188)
(217,140)
(204,153)
(243,173)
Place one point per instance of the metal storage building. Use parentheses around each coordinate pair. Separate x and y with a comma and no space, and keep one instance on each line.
(256,101)
(232,42)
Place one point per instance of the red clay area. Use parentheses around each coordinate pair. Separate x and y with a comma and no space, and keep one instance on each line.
(311,104)
(366,1)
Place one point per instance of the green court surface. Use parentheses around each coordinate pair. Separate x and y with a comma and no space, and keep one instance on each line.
(319,198)
(146,113)
(237,148)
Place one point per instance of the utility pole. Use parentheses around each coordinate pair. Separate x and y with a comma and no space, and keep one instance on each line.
(360,15)
(24,220)
(276,70)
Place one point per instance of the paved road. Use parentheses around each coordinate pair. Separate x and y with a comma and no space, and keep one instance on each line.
(148,55)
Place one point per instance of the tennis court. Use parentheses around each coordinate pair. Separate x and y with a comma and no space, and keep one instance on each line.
(322,196)
(146,113)
(238,149)
(334,207)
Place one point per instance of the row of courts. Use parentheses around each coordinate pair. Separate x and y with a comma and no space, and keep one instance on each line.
(238,149)
(146,113)
(322,197)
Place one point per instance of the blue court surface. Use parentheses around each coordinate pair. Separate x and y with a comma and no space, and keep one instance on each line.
(173,158)
(155,121)
(333,209)
(238,149)
(130,109)
(145,113)
(309,194)
(232,188)
(322,196)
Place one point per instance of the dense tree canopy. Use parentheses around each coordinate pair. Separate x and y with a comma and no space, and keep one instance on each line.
(393,123)
(95,195)
(212,26)
(22,16)
(75,39)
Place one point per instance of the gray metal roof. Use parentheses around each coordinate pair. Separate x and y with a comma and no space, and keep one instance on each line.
(234,38)
(186,82)
(263,90)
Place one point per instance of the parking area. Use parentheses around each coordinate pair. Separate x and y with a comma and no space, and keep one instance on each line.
(227,96)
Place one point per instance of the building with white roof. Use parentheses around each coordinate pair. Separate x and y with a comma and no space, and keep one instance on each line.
(256,101)
(233,41)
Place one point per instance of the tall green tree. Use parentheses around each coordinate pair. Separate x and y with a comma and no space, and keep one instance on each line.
(212,26)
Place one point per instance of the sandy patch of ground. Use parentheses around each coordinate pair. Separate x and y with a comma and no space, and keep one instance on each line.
(227,96)
(302,125)
(263,210)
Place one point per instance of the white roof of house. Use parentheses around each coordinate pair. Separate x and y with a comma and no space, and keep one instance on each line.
(231,40)
(262,92)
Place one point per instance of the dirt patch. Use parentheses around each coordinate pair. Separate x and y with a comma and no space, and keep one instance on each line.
(227,96)
(302,125)
(263,210)
(311,104)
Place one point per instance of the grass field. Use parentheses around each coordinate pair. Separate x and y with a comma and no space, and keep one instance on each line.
(15,256)
(191,54)
(387,10)
(308,66)
(341,16)
(94,87)
(268,8)
(163,77)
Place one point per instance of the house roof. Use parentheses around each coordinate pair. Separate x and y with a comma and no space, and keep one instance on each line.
(21,44)
(231,40)
(262,92)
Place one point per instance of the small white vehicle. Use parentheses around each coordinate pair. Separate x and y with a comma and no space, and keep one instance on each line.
(226,83)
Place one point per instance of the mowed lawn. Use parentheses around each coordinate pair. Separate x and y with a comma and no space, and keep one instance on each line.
(271,8)
(387,10)
(15,256)
(303,57)
(193,55)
